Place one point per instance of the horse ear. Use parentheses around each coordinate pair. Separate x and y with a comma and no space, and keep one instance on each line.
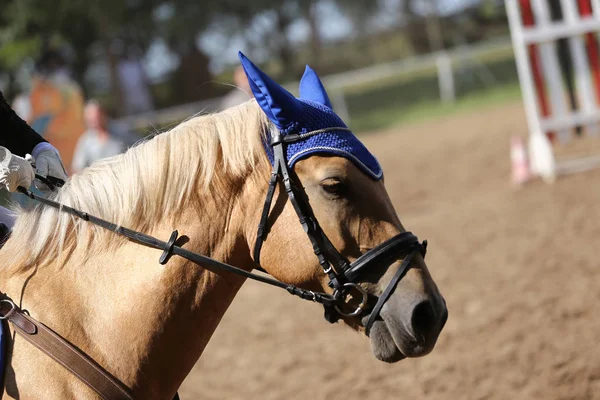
(280,106)
(311,88)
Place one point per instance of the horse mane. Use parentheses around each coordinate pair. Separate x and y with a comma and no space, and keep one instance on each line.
(146,185)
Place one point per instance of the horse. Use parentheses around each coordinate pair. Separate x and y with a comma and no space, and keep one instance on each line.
(146,323)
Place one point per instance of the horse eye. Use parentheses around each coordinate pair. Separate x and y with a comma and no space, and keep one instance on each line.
(333,186)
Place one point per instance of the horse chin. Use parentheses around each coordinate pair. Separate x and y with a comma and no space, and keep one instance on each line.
(382,344)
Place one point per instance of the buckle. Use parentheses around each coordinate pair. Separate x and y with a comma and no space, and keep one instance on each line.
(363,303)
(10,312)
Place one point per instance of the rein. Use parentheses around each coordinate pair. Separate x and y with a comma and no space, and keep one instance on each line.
(171,248)
(343,274)
(66,354)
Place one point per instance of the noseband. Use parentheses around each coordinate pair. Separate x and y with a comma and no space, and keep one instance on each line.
(343,274)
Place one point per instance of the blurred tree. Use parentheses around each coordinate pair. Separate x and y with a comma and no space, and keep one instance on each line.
(435,24)
(359,12)
(20,28)
(114,21)
(310,11)
(113,26)
(247,18)
(30,25)
(180,24)
(274,36)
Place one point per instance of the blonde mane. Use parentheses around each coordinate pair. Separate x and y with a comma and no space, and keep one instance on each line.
(148,183)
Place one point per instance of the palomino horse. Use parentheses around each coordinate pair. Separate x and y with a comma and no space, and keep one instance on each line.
(147,324)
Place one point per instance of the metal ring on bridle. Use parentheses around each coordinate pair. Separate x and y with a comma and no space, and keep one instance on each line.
(363,303)
(13,307)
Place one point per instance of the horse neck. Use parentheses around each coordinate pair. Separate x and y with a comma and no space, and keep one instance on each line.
(134,316)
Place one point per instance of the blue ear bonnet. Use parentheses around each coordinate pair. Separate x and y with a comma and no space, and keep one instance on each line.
(310,115)
(341,143)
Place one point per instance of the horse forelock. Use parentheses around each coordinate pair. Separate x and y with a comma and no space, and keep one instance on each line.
(148,184)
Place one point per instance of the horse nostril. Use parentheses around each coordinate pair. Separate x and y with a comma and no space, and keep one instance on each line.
(424,320)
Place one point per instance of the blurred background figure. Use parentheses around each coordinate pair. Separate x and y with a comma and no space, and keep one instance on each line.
(56,104)
(135,87)
(241,93)
(97,141)
(22,106)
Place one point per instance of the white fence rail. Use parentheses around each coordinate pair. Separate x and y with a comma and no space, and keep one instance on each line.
(444,63)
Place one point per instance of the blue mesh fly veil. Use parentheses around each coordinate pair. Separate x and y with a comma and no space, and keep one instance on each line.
(311,116)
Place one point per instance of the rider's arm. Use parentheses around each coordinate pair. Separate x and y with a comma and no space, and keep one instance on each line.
(20,139)
(15,134)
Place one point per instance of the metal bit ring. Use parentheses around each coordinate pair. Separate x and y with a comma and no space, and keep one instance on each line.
(363,303)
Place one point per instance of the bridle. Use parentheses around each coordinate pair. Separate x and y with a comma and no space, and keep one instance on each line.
(343,275)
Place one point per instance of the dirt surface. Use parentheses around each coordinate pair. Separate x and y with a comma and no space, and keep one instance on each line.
(519,269)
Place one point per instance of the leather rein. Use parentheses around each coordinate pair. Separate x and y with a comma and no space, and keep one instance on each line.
(343,275)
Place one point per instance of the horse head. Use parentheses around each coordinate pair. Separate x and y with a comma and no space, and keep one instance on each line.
(338,192)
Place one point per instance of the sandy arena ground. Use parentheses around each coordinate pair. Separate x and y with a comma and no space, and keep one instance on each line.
(519,269)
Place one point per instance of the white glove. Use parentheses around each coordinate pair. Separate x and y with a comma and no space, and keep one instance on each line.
(47,163)
(15,171)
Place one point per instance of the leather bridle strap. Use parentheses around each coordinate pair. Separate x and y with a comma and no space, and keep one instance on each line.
(345,275)
(170,248)
(82,366)
(264,218)
(384,254)
(404,267)
(64,353)
(322,247)
(3,351)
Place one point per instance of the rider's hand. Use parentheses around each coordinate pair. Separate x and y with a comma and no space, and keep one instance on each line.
(15,171)
(47,163)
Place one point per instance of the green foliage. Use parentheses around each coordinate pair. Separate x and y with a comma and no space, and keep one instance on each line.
(14,53)
(29,26)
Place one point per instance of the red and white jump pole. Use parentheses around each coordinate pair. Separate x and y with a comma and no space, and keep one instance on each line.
(535,35)
(534,60)
(585,10)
